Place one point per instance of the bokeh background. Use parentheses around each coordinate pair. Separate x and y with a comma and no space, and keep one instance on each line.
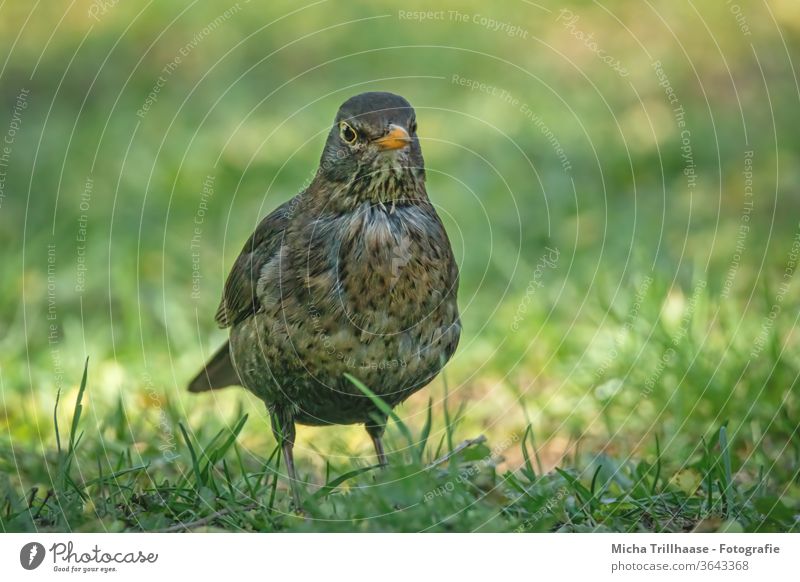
(619,181)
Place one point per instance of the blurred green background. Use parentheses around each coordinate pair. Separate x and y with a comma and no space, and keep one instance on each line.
(619,179)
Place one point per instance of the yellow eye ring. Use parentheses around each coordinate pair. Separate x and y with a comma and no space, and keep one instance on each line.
(347,133)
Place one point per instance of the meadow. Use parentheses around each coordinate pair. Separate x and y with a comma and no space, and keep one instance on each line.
(620,186)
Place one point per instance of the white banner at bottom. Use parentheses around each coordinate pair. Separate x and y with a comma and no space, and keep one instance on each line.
(390,557)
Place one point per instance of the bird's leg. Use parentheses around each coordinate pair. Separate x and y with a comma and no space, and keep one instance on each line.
(375,431)
(283,429)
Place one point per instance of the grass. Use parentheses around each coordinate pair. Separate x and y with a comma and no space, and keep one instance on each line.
(728,477)
(218,490)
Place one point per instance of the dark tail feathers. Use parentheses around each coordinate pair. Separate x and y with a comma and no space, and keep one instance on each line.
(218,373)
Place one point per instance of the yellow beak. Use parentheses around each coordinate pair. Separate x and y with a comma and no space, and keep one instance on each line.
(394,140)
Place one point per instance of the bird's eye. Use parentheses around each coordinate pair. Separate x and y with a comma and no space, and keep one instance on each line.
(347,133)
(413,126)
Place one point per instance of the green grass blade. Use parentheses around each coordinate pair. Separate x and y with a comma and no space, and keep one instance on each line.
(220,450)
(582,493)
(527,470)
(243,469)
(725,453)
(101,480)
(328,488)
(381,405)
(76,415)
(274,489)
(592,489)
(193,454)
(426,431)
(55,423)
(658,467)
(447,420)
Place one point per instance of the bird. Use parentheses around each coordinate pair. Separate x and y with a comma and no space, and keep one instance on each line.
(354,277)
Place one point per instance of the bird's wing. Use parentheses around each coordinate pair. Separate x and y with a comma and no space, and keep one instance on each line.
(240,298)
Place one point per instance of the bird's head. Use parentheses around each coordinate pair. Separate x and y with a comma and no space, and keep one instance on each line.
(373,149)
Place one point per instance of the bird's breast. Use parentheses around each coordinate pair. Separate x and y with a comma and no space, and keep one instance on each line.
(382,268)
(370,293)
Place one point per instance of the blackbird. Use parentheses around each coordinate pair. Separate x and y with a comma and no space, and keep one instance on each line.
(355,275)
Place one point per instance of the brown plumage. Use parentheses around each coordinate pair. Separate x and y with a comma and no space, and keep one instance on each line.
(354,275)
